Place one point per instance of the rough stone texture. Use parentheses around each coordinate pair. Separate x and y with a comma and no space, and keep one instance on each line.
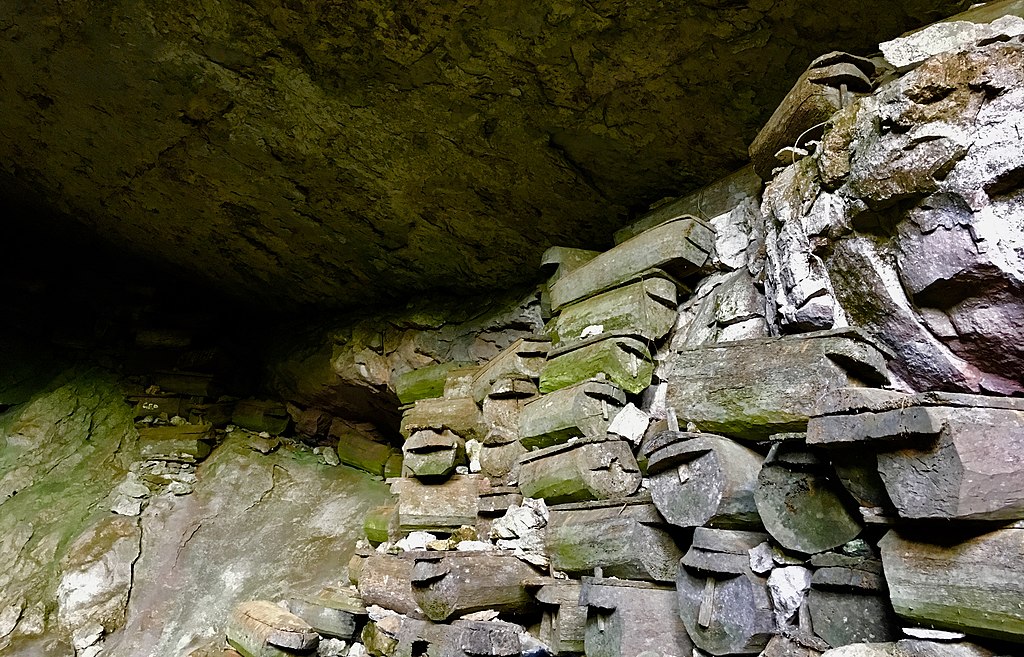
(339,152)
(906,222)
(970,584)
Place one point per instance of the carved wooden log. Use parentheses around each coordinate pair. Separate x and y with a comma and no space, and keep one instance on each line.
(801,503)
(385,580)
(723,604)
(850,605)
(584,409)
(504,403)
(563,626)
(262,629)
(966,584)
(429,453)
(557,262)
(625,538)
(580,471)
(680,247)
(378,523)
(261,415)
(830,83)
(460,415)
(438,507)
(646,309)
(623,360)
(425,382)
(193,384)
(187,443)
(632,618)
(940,456)
(482,639)
(703,480)
(447,584)
(755,388)
(522,359)
(332,612)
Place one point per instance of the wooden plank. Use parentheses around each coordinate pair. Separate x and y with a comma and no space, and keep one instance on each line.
(680,247)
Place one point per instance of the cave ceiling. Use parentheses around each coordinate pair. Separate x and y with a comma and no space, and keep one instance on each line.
(343,153)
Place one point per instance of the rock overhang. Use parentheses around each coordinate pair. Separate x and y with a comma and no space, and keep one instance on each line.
(313,155)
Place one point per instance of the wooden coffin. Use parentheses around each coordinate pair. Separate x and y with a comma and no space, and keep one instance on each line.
(385,580)
(429,454)
(441,507)
(261,415)
(563,625)
(625,538)
(725,607)
(680,247)
(580,471)
(830,83)
(447,584)
(460,415)
(628,618)
(186,443)
(972,584)
(751,389)
(522,359)
(332,612)
(703,480)
(622,360)
(801,503)
(262,629)
(646,309)
(582,410)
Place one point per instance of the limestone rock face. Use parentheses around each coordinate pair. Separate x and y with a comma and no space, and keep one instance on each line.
(907,222)
(326,153)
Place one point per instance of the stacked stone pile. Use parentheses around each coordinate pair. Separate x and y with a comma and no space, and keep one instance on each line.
(729,440)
